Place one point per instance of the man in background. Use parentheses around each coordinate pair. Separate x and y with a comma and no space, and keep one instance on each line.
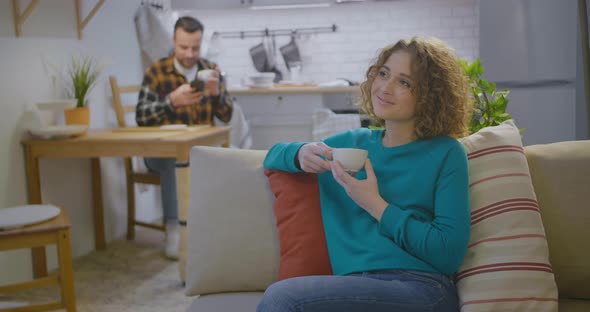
(170,94)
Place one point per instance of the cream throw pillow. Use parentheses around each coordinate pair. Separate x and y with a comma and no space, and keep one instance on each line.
(232,242)
(507,264)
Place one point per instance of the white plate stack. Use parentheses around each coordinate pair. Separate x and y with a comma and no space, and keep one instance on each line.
(262,80)
(43,119)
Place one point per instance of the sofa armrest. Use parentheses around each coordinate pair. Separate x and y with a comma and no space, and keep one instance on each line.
(232,242)
(561,177)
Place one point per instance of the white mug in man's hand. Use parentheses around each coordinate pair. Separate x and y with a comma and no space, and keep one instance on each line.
(205,74)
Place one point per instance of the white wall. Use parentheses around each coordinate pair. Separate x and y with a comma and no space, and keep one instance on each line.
(50,34)
(362,30)
(582,113)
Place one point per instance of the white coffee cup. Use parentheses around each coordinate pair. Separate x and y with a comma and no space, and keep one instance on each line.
(352,159)
(205,74)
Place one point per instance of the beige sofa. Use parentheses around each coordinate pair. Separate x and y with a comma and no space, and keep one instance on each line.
(233,251)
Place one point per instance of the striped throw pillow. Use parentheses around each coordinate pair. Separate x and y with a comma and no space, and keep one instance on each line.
(507,264)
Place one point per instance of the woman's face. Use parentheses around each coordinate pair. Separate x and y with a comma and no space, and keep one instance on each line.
(391,92)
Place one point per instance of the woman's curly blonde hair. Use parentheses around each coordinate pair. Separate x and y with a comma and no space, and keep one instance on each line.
(443,103)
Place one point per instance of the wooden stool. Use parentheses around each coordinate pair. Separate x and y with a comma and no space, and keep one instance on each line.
(54,231)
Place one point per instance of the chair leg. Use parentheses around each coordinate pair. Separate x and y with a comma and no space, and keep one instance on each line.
(130,209)
(39,261)
(66,271)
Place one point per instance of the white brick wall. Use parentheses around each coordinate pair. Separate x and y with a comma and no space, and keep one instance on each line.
(362,30)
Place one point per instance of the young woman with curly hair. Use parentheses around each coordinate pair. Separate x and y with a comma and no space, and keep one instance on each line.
(398,229)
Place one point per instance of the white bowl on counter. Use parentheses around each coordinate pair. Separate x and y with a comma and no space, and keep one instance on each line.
(262,79)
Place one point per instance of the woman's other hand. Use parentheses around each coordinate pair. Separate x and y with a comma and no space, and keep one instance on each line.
(365,193)
(310,160)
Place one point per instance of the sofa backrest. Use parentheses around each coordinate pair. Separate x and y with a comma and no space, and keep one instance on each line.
(235,248)
(561,177)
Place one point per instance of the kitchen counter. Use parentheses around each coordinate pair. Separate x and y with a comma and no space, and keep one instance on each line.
(284,113)
(292,90)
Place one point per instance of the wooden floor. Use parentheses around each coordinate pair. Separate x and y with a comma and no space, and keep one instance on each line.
(127,276)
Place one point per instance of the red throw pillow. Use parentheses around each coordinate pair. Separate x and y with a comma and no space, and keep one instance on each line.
(299,221)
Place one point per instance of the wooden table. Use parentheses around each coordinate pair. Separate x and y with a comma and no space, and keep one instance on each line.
(120,142)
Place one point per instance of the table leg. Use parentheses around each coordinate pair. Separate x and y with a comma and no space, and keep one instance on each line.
(183,194)
(34,192)
(99,237)
(64,253)
(227,139)
(33,176)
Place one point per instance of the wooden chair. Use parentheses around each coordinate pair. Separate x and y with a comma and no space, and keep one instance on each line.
(55,231)
(131,175)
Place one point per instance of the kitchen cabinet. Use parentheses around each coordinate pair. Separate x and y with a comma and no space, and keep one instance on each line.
(275,118)
(295,90)
(284,114)
(232,4)
(287,2)
(295,2)
(210,4)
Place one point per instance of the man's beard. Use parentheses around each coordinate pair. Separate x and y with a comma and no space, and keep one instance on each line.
(188,62)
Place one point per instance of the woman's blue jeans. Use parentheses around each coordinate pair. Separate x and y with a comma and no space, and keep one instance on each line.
(166,168)
(391,291)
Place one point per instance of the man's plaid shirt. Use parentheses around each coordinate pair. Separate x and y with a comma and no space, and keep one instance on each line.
(154,107)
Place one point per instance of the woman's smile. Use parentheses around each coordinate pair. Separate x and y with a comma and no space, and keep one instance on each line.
(383,101)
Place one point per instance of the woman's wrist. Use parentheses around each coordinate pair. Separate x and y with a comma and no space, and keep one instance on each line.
(376,210)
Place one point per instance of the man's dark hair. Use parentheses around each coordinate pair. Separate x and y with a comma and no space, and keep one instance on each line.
(188,24)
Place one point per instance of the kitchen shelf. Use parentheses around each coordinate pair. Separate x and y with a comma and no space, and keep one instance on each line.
(293,90)
(81,23)
(275,32)
(19,19)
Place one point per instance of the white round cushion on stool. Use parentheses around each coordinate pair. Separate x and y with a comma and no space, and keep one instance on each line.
(25,215)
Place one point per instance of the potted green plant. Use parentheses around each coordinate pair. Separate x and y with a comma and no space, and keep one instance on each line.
(82,74)
(489,105)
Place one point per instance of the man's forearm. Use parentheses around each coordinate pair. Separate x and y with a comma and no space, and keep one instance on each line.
(223,106)
(151,110)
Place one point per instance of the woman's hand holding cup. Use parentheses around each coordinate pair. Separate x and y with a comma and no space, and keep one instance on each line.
(352,159)
(310,157)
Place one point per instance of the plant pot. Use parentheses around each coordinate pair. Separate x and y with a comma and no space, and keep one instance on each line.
(77,116)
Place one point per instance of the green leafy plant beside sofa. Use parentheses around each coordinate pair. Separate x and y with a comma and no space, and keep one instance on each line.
(489,105)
